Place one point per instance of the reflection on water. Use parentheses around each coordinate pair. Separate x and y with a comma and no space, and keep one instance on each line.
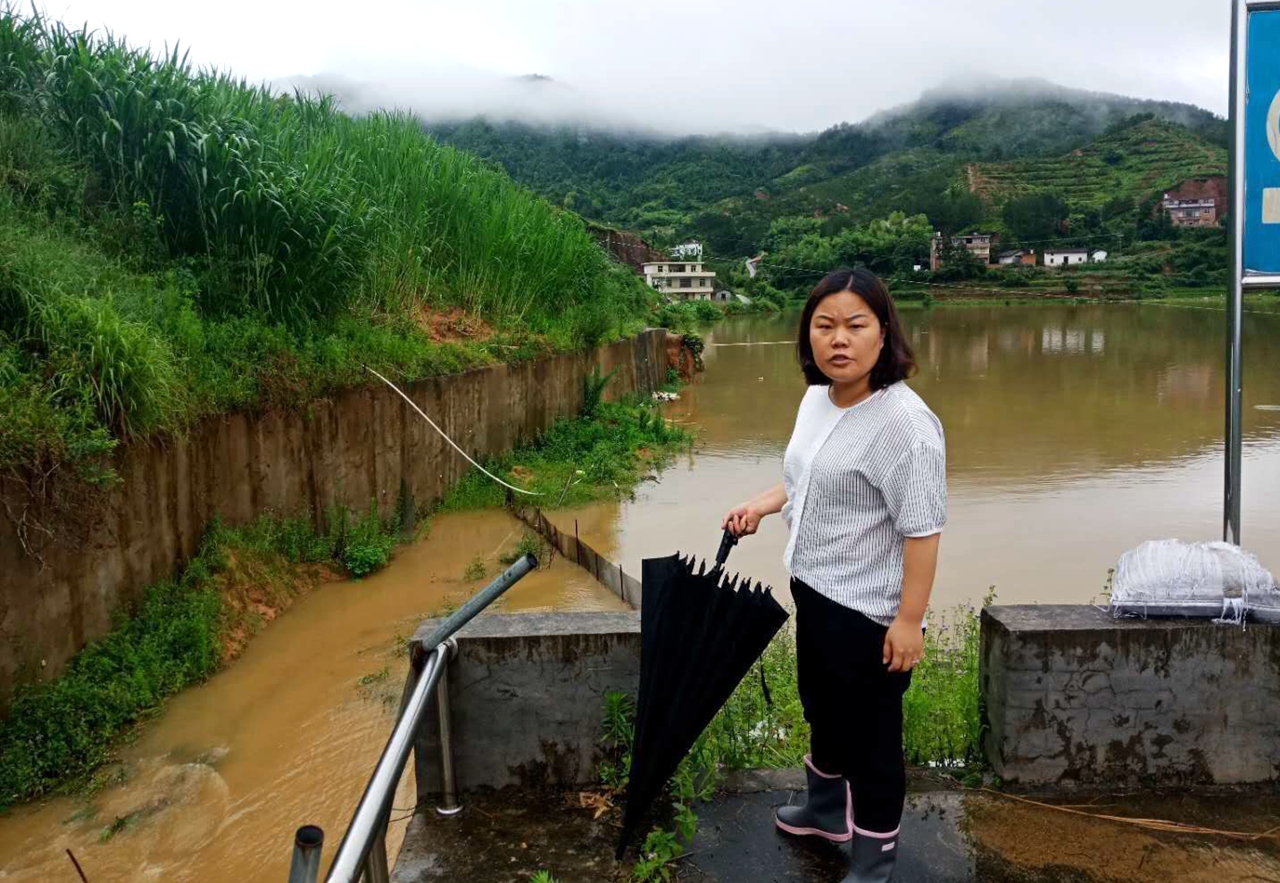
(287,735)
(1073,433)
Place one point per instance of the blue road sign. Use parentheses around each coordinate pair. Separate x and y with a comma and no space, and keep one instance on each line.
(1262,145)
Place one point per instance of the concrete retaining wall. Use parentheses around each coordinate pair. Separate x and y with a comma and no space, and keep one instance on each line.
(527,698)
(1075,697)
(360,445)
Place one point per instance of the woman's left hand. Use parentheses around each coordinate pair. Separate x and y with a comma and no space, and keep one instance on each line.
(903,645)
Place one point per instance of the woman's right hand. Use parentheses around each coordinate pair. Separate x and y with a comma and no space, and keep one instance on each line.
(742,520)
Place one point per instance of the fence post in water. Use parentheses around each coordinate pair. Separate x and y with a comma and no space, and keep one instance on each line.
(307,843)
(448,783)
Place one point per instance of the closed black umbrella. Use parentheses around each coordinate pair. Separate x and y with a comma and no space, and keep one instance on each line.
(700,633)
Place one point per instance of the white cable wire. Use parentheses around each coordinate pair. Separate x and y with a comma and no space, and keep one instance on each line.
(449,440)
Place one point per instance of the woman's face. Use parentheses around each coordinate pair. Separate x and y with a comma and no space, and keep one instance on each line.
(846,337)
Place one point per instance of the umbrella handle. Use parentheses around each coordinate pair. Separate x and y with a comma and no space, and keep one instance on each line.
(727,542)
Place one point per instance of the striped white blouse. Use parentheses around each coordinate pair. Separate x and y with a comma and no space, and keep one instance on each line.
(859,480)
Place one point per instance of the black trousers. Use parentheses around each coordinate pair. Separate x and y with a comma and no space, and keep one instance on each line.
(853,704)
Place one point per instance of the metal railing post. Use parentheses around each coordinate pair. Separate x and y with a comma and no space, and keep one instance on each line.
(307,843)
(1235,294)
(363,850)
(376,867)
(448,783)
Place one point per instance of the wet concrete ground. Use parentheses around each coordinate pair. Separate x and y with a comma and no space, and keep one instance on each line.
(947,837)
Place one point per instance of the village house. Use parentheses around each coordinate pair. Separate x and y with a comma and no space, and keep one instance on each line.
(977,244)
(1065,257)
(691,250)
(1198,202)
(683,275)
(1025,257)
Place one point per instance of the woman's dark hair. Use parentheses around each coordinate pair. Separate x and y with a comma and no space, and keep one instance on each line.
(896,362)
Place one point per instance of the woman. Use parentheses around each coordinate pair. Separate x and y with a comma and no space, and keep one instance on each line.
(864,494)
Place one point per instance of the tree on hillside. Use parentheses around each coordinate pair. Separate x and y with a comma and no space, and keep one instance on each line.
(1116,207)
(957,263)
(955,210)
(1154,223)
(730,235)
(1035,217)
(799,254)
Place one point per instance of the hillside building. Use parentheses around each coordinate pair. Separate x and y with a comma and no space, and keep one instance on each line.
(1198,202)
(1025,257)
(686,280)
(1065,257)
(977,244)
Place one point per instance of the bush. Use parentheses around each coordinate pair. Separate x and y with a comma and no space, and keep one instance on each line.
(1014,279)
(366,546)
(685,315)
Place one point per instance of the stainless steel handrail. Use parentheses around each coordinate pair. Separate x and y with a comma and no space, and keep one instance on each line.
(449,805)
(363,847)
(372,810)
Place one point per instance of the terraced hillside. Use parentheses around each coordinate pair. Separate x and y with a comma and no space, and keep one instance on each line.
(890,183)
(1134,163)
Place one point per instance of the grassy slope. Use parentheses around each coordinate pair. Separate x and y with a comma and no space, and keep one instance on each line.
(177,243)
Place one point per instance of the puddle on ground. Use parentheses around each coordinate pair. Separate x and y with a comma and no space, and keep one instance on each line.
(1014,839)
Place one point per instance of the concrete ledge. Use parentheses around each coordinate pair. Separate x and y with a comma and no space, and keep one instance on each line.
(1075,697)
(527,696)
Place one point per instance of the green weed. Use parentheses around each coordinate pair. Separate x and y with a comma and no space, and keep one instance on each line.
(366,547)
(475,570)
(64,728)
(579,460)
(374,677)
(529,544)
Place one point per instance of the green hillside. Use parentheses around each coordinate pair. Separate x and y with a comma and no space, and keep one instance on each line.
(1133,163)
(911,159)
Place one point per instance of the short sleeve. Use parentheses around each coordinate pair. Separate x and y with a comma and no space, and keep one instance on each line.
(915,490)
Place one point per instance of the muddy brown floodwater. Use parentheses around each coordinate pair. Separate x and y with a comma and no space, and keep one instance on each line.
(1073,434)
(213,789)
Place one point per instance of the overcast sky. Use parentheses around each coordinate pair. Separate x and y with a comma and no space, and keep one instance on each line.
(684,65)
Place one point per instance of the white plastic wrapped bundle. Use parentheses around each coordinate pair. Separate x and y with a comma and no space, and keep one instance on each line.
(1173,578)
(1264,605)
